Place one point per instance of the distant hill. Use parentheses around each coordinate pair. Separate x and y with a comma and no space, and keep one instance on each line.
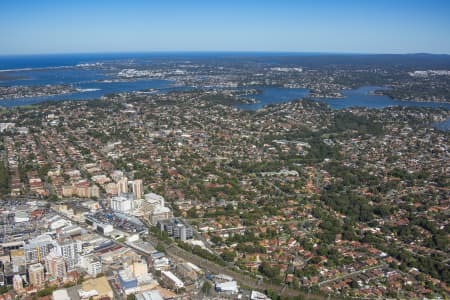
(405,61)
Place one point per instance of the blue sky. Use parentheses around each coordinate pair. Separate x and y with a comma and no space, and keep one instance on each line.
(351,26)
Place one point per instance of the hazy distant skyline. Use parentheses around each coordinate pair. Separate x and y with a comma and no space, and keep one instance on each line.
(348,26)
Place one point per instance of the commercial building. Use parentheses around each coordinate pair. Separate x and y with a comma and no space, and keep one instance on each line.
(188,271)
(91,264)
(176,228)
(153,208)
(122,204)
(171,280)
(18,260)
(138,189)
(18,283)
(160,213)
(21,216)
(69,249)
(154,199)
(127,281)
(55,265)
(258,296)
(104,228)
(150,295)
(229,287)
(38,248)
(36,275)
(122,186)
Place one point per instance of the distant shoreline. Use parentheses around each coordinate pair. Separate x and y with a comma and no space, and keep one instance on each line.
(27,62)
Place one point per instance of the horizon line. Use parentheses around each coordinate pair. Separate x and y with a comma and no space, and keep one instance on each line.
(223,52)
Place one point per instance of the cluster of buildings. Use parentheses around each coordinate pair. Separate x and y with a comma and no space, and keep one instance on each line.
(21,91)
(426,73)
(54,253)
(252,184)
(77,259)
